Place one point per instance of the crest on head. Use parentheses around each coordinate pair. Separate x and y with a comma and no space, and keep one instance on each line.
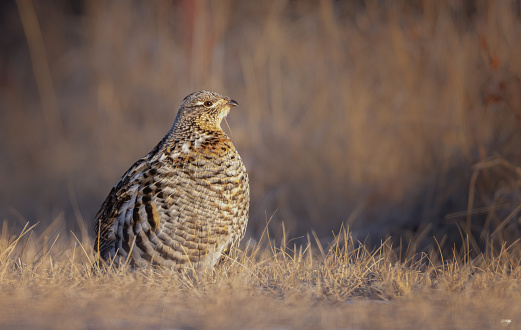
(205,108)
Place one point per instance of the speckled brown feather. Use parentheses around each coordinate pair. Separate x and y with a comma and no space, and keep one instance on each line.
(186,202)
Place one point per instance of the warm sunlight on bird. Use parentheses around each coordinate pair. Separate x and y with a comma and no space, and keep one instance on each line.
(185,204)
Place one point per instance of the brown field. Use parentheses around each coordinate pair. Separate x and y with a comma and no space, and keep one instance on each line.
(279,286)
(400,120)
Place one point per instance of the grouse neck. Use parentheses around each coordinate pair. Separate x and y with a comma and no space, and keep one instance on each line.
(193,127)
(183,135)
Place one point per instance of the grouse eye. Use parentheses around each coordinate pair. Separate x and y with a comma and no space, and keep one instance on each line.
(208,103)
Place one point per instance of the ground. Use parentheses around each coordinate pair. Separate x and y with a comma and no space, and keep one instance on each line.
(263,285)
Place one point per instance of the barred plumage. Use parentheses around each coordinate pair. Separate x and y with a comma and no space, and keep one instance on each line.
(184,204)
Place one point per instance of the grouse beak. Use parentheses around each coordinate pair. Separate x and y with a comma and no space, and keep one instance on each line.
(232,103)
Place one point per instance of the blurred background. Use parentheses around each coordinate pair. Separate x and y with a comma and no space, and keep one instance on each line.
(393,118)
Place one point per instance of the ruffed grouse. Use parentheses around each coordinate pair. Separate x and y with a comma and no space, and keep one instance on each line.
(185,204)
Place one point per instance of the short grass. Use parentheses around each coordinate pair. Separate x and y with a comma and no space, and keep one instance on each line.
(53,284)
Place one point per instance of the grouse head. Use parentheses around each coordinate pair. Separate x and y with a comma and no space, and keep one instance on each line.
(205,109)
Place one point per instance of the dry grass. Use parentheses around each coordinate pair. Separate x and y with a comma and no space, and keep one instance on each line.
(341,286)
(396,119)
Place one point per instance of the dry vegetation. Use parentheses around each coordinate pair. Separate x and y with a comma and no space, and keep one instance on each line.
(400,120)
(341,286)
